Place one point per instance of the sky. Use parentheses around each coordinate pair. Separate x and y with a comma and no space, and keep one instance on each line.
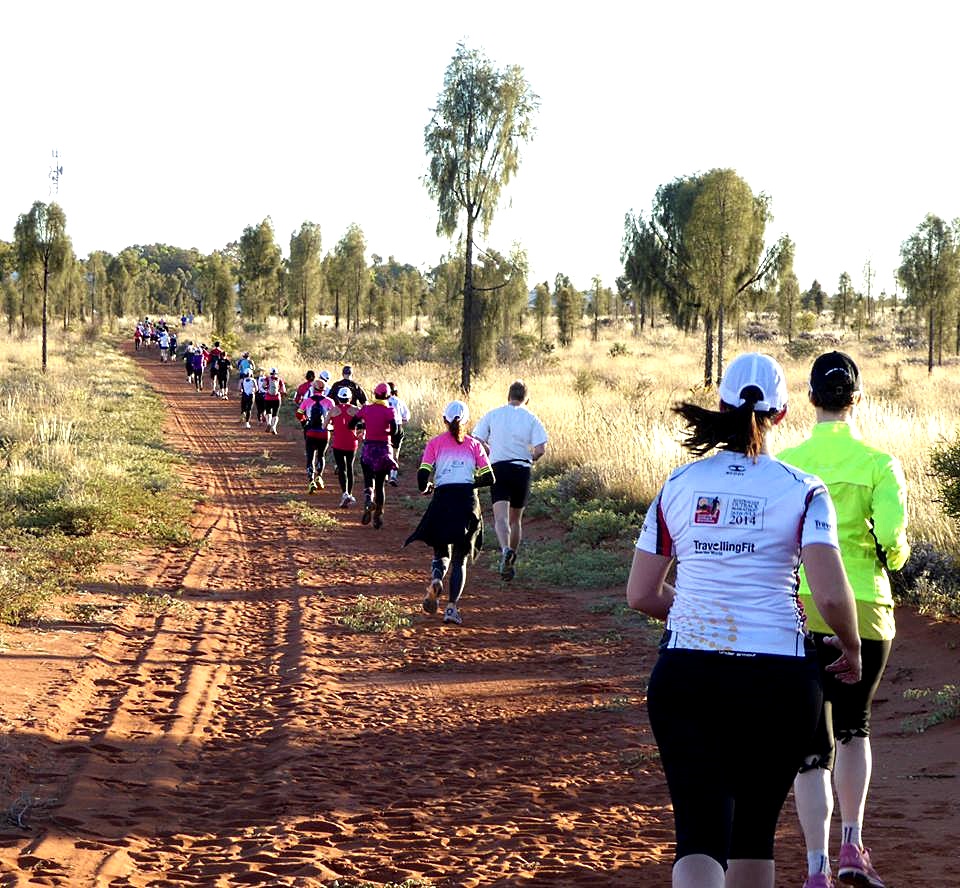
(185,122)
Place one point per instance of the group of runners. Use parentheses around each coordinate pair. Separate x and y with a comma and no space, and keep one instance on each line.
(156,334)
(765,682)
(778,626)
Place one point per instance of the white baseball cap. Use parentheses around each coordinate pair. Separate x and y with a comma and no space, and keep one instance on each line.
(456,410)
(344,394)
(757,370)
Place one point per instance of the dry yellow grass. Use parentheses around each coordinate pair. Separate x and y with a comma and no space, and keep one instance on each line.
(612,414)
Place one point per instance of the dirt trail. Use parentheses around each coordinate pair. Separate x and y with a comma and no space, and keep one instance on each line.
(254,741)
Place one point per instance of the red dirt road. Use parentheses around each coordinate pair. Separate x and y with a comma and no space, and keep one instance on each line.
(252,740)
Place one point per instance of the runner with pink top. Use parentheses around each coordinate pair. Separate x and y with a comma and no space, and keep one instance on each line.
(453,522)
(376,459)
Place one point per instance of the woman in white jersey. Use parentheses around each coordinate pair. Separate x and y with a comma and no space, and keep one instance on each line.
(735,694)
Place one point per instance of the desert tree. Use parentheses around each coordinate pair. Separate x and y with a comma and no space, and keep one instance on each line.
(304,276)
(43,245)
(482,117)
(929,272)
(569,309)
(259,269)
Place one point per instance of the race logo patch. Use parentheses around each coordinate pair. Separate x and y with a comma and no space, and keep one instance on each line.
(707,509)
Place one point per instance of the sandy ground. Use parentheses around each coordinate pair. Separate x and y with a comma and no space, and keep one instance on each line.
(252,740)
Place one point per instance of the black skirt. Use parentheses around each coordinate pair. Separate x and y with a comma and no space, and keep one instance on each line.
(452,518)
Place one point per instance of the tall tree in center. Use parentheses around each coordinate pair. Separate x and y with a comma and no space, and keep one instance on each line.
(473,141)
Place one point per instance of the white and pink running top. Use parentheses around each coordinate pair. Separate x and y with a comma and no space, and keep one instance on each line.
(736,528)
(453,462)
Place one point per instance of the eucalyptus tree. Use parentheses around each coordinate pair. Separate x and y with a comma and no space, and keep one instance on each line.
(483,116)
(96,275)
(569,308)
(8,264)
(259,267)
(542,307)
(42,243)
(220,295)
(725,242)
(597,305)
(843,301)
(788,291)
(353,271)
(929,271)
(304,282)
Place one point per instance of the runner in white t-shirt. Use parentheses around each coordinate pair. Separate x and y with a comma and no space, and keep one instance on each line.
(735,695)
(515,440)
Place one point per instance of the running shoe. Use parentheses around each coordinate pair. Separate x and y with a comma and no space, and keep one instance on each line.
(248,425)
(345,500)
(452,615)
(508,561)
(353,499)
(434,588)
(819,880)
(393,478)
(377,520)
(367,513)
(319,482)
(856,869)
(312,487)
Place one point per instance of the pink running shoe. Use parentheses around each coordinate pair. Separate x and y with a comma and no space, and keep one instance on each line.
(820,880)
(855,868)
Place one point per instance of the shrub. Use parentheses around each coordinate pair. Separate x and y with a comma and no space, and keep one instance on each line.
(945,462)
(618,349)
(929,581)
(365,614)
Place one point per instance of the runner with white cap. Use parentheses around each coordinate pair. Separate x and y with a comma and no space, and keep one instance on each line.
(453,522)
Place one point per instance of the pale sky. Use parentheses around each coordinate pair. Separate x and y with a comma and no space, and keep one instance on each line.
(184,122)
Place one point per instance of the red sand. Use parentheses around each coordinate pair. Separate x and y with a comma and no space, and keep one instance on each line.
(254,741)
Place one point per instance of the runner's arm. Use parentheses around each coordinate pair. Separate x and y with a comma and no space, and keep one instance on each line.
(647,590)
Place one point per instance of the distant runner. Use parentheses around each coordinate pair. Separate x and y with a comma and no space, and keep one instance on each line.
(376,459)
(312,413)
(343,438)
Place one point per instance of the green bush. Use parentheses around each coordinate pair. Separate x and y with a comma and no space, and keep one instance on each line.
(592,526)
(945,462)
(560,563)
(366,614)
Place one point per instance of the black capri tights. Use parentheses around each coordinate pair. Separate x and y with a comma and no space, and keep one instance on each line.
(846,708)
(455,558)
(374,481)
(732,732)
(344,460)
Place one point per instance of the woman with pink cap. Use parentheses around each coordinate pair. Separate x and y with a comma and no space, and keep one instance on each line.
(453,522)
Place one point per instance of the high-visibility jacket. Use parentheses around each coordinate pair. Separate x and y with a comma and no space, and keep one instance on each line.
(869,492)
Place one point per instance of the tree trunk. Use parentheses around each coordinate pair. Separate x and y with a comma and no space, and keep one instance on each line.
(336,309)
(720,342)
(708,349)
(43,323)
(930,338)
(466,335)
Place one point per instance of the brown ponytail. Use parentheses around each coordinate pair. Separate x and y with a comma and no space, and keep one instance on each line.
(739,429)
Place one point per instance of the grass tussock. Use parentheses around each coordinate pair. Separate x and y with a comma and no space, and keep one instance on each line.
(83,470)
(373,614)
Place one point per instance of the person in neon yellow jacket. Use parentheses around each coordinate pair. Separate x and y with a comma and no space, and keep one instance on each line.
(869,493)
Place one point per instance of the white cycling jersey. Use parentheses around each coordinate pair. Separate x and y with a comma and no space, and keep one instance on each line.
(736,528)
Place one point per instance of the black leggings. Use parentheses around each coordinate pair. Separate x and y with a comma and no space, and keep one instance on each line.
(455,556)
(344,460)
(846,707)
(374,481)
(732,732)
(316,455)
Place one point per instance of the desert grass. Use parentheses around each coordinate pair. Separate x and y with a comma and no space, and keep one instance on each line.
(607,405)
(83,471)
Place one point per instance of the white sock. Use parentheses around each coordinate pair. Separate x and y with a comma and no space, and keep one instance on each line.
(851,834)
(818,862)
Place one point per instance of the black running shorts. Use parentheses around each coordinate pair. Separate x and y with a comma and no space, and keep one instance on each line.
(512,483)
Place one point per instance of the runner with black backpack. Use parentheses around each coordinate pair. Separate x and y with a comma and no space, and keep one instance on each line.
(312,413)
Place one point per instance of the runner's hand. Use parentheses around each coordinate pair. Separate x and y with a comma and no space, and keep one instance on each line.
(427,490)
(847,667)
